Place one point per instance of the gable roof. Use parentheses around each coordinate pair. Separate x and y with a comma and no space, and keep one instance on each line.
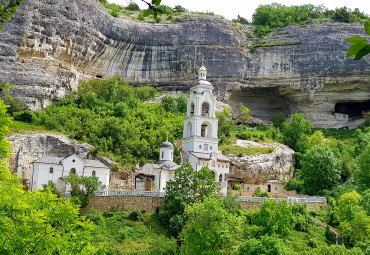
(49,160)
(95,163)
(58,160)
(209,156)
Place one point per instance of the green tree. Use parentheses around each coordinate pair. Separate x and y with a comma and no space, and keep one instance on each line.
(186,187)
(209,228)
(37,222)
(7,8)
(83,187)
(244,116)
(266,245)
(362,174)
(278,120)
(353,220)
(295,133)
(359,47)
(319,170)
(274,218)
(225,126)
(169,104)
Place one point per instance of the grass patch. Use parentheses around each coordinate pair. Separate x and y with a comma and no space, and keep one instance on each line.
(236,150)
(19,127)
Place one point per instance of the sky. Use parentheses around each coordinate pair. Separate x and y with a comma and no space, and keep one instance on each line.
(230,9)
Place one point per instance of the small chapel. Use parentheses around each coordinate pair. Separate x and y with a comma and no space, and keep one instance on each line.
(199,142)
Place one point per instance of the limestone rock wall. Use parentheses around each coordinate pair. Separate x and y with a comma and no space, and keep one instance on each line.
(50,46)
(263,167)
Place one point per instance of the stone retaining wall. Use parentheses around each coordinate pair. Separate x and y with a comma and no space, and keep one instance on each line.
(124,203)
(151,203)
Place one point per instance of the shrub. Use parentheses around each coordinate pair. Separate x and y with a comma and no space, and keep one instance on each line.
(179,8)
(15,105)
(259,193)
(132,6)
(135,215)
(26,116)
(238,187)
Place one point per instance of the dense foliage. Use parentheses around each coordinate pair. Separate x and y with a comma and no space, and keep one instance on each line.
(267,17)
(114,117)
(37,222)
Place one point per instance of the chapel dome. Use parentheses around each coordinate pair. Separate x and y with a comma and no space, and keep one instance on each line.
(166,145)
(169,164)
(203,83)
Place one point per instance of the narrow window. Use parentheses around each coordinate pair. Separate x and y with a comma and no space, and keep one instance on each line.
(275,188)
(93,173)
(51,170)
(220,178)
(162,154)
(200,146)
(206,147)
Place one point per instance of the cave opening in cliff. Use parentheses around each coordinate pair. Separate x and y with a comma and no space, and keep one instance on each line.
(354,110)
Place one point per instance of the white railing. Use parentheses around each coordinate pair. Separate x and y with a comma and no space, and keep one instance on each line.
(134,193)
(129,193)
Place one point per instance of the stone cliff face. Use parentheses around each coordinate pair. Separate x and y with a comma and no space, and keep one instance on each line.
(50,46)
(263,167)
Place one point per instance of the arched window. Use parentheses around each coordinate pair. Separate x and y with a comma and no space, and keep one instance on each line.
(200,146)
(162,154)
(172,155)
(93,173)
(73,171)
(189,131)
(220,178)
(51,170)
(205,130)
(205,109)
(192,109)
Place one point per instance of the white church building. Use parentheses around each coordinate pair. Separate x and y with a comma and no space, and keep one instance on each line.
(53,169)
(199,143)
(153,177)
(200,136)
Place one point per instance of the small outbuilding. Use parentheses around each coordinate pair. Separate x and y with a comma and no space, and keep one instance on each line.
(53,169)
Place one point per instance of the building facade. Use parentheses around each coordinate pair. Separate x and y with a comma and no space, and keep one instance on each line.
(153,177)
(54,169)
(200,134)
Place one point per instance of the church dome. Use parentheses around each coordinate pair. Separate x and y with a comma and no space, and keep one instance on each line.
(203,83)
(168,164)
(203,68)
(166,145)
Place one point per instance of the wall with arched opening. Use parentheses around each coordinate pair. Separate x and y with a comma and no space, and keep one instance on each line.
(206,129)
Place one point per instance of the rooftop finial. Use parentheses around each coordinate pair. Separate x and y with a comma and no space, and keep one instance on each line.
(202,72)
(167,136)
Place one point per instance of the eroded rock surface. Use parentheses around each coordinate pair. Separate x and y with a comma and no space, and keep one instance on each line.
(263,167)
(50,46)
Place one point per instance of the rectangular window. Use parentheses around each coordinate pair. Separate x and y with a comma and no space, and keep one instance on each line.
(206,147)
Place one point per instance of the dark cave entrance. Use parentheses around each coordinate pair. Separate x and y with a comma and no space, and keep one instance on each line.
(354,110)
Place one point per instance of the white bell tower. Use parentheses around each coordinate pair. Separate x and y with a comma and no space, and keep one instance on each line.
(201,124)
